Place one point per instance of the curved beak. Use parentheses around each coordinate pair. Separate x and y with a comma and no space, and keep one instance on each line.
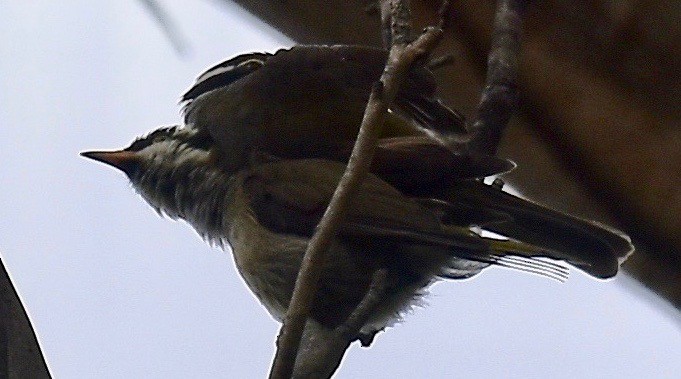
(121,159)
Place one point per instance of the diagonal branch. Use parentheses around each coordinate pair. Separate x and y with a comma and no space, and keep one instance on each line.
(322,349)
(352,326)
(168,26)
(499,98)
(401,57)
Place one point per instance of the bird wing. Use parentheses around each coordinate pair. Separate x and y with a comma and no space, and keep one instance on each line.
(307,102)
(412,163)
(225,73)
(311,72)
(290,197)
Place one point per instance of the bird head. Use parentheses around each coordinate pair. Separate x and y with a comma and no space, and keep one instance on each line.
(161,165)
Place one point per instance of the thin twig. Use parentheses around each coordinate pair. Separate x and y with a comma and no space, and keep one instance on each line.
(168,26)
(322,349)
(400,23)
(443,14)
(396,26)
(401,57)
(386,23)
(354,323)
(499,98)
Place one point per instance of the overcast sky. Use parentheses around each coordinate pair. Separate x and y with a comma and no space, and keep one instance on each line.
(115,291)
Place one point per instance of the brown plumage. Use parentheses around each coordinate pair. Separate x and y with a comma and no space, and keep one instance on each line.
(263,148)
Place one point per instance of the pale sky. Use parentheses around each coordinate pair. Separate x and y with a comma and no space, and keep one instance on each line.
(115,291)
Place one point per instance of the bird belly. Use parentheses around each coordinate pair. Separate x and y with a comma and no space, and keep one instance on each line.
(269,264)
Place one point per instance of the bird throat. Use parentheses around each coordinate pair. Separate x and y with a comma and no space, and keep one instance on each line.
(190,187)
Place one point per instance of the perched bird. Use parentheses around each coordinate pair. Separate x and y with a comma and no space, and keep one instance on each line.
(264,145)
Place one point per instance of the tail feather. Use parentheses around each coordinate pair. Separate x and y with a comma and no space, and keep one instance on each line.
(432,114)
(592,247)
(533,266)
(468,258)
(524,257)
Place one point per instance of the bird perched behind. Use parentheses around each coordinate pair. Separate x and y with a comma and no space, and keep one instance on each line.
(264,145)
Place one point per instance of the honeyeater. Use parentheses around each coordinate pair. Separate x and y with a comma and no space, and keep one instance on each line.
(263,143)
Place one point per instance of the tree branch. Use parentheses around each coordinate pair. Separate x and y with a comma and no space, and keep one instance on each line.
(400,59)
(499,98)
(322,349)
(354,323)
(168,26)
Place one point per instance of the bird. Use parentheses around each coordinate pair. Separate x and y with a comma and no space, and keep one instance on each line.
(264,142)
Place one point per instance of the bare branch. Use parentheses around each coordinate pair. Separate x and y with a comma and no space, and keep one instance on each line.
(443,13)
(499,98)
(396,25)
(386,22)
(401,57)
(400,22)
(354,323)
(168,26)
(322,349)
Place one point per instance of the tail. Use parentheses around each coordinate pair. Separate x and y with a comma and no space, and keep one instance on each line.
(590,246)
(504,253)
